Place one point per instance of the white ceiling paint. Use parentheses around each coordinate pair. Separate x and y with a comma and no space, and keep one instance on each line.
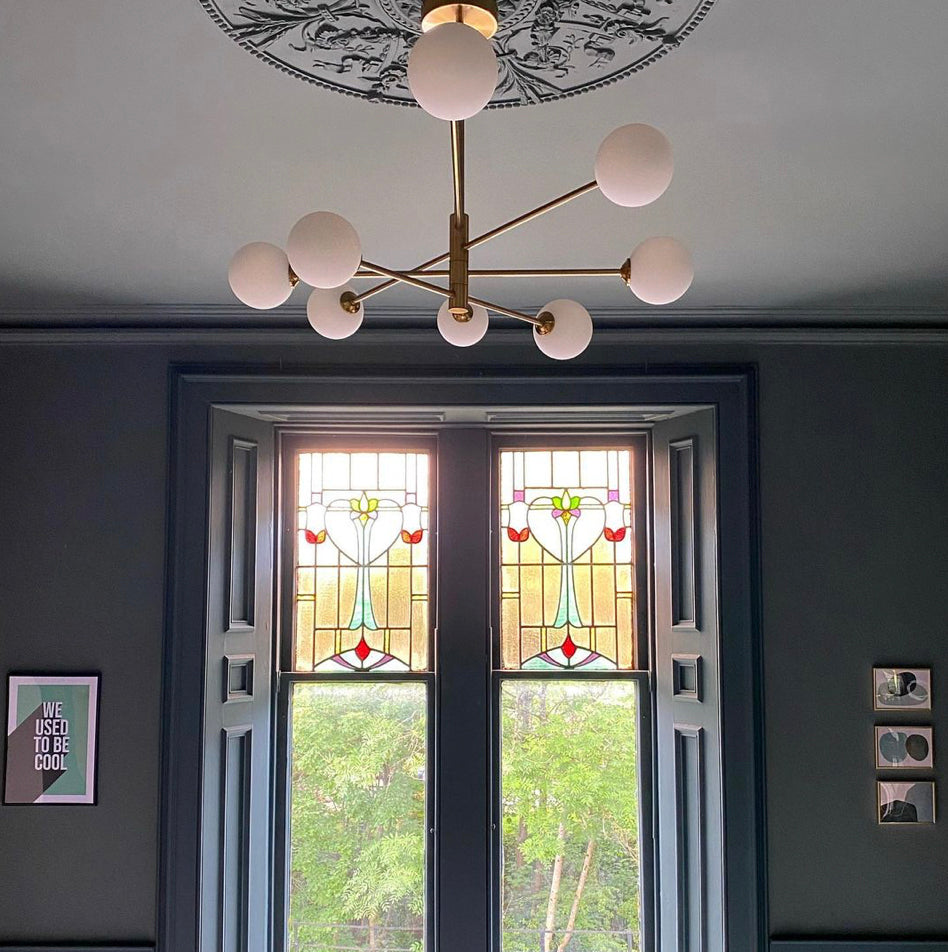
(139,147)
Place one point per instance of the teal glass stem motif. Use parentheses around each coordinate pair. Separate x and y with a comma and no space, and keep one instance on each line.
(567,513)
(363,616)
(566,526)
(363,529)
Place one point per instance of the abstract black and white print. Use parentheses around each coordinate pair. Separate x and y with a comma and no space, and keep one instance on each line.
(902,689)
(912,802)
(904,747)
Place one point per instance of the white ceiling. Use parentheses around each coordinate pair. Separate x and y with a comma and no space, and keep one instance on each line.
(139,146)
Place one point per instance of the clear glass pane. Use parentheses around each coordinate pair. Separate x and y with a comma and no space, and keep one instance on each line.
(357,817)
(566,549)
(569,793)
(361,581)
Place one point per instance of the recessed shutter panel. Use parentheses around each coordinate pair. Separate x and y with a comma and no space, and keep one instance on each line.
(235,849)
(687,685)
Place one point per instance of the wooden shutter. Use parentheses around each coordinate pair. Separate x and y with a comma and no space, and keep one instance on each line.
(687,685)
(235,847)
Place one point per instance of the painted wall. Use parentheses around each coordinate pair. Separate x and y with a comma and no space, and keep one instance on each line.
(854,450)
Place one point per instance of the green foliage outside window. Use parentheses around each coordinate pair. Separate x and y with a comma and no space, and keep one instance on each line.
(570,817)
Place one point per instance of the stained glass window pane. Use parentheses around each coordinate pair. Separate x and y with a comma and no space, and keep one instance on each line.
(567,585)
(362,556)
(357,817)
(571,875)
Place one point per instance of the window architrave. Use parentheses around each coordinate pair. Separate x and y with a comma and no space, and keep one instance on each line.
(194,391)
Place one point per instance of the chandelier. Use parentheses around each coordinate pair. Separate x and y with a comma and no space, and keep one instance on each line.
(452,74)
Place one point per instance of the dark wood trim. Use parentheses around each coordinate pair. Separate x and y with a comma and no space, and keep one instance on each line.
(858,945)
(237,317)
(606,335)
(79,947)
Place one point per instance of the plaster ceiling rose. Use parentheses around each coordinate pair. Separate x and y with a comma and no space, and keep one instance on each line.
(546,49)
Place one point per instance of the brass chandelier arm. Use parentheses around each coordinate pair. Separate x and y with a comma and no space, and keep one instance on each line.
(385,285)
(533,213)
(507,273)
(396,277)
(404,278)
(488,235)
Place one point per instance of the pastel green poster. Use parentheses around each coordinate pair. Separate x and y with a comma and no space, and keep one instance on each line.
(51,738)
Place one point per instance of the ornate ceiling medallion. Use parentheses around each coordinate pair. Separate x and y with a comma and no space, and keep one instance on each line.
(546,49)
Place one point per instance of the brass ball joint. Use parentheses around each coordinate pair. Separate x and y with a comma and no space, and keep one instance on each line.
(633,167)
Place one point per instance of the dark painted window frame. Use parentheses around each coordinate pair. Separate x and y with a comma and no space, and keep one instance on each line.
(731,390)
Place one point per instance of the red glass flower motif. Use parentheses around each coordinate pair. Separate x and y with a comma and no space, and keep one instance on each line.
(568,648)
(362,649)
(412,538)
(314,538)
(614,535)
(516,536)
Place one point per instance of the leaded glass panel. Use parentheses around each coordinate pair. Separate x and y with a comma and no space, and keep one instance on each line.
(362,557)
(567,580)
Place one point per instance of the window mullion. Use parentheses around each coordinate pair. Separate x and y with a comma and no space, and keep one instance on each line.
(463,661)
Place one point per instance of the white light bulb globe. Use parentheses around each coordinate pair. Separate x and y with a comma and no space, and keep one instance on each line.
(259,274)
(462,333)
(572,330)
(328,317)
(452,71)
(660,270)
(634,165)
(324,249)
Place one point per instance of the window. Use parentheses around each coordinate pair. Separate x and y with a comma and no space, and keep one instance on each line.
(358,689)
(359,684)
(446,834)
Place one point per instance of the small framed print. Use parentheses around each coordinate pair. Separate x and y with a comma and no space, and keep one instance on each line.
(904,747)
(911,802)
(902,689)
(52,732)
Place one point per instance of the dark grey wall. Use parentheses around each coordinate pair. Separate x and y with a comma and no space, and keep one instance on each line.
(854,550)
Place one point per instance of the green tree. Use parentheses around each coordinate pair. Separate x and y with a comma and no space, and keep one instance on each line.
(358,813)
(570,807)
(570,815)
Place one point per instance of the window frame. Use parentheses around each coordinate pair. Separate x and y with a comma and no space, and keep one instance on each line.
(292,443)
(264,393)
(637,440)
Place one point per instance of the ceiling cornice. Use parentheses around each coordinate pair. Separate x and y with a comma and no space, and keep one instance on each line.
(234,324)
(237,317)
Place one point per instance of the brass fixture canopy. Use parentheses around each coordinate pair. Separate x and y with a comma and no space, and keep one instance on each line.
(480,14)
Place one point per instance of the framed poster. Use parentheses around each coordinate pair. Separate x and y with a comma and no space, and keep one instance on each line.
(903,747)
(52,724)
(912,802)
(902,689)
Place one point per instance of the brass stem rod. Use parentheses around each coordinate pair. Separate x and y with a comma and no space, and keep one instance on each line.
(400,276)
(457,165)
(533,213)
(508,273)
(493,233)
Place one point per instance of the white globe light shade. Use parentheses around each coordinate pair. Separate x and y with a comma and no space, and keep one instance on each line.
(572,330)
(324,249)
(634,165)
(452,71)
(660,270)
(328,317)
(462,333)
(259,274)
